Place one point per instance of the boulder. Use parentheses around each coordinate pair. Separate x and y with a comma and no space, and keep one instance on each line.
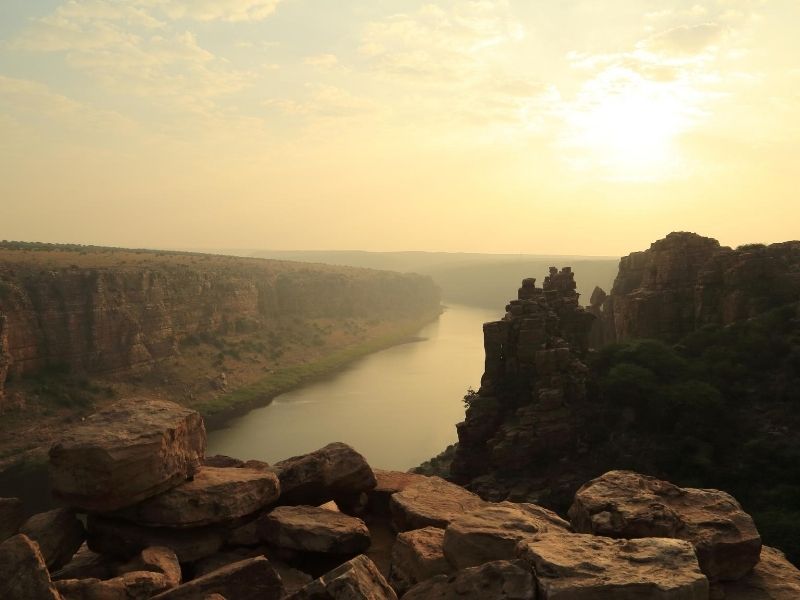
(59,534)
(156,559)
(623,504)
(576,566)
(221,461)
(121,539)
(773,578)
(11,517)
(126,453)
(23,573)
(357,579)
(335,472)
(493,531)
(499,580)
(432,502)
(417,555)
(293,579)
(388,483)
(314,529)
(136,585)
(215,495)
(250,579)
(244,535)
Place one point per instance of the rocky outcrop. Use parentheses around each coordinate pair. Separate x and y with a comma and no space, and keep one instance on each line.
(773,578)
(212,496)
(685,281)
(312,529)
(587,566)
(527,411)
(23,573)
(500,580)
(70,309)
(251,579)
(622,504)
(387,484)
(127,453)
(432,502)
(335,472)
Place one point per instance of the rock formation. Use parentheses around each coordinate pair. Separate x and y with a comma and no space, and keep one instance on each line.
(685,281)
(231,533)
(526,413)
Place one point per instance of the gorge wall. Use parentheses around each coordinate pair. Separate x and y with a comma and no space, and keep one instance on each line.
(107,311)
(685,281)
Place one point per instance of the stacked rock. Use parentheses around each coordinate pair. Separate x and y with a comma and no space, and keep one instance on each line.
(163,522)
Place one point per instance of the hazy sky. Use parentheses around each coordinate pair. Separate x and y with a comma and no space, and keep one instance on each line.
(544,126)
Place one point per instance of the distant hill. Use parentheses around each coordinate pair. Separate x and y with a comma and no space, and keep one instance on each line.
(467,278)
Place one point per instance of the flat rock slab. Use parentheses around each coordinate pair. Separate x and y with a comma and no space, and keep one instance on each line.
(571,566)
(417,555)
(432,502)
(156,559)
(388,483)
(314,529)
(122,539)
(499,580)
(493,531)
(11,517)
(86,564)
(126,453)
(249,579)
(623,504)
(136,585)
(357,579)
(59,534)
(23,573)
(773,578)
(335,472)
(214,495)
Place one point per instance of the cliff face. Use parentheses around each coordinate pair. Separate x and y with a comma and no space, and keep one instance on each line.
(112,319)
(685,281)
(528,408)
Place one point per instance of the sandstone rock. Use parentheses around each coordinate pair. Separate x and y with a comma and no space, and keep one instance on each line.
(214,495)
(136,585)
(11,517)
(244,535)
(357,579)
(86,564)
(431,502)
(388,483)
(623,504)
(499,580)
(59,534)
(131,451)
(417,555)
(23,574)
(118,538)
(773,578)
(293,579)
(575,566)
(314,529)
(156,559)
(493,531)
(335,472)
(251,579)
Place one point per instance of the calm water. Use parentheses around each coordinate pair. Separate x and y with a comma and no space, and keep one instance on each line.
(398,407)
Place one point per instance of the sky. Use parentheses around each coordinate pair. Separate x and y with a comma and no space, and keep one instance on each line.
(534,126)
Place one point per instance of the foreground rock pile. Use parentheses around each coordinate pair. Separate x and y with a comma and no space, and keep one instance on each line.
(148,516)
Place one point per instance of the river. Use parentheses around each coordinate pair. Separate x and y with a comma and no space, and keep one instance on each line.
(398,407)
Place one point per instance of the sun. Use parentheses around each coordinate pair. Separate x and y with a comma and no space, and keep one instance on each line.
(628,130)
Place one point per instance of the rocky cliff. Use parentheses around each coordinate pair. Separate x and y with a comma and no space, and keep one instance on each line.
(108,311)
(686,281)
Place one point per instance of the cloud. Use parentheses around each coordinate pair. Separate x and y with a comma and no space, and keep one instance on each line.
(325,102)
(322,60)
(214,10)
(685,39)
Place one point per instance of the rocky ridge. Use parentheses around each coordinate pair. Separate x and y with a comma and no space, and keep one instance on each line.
(393,535)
